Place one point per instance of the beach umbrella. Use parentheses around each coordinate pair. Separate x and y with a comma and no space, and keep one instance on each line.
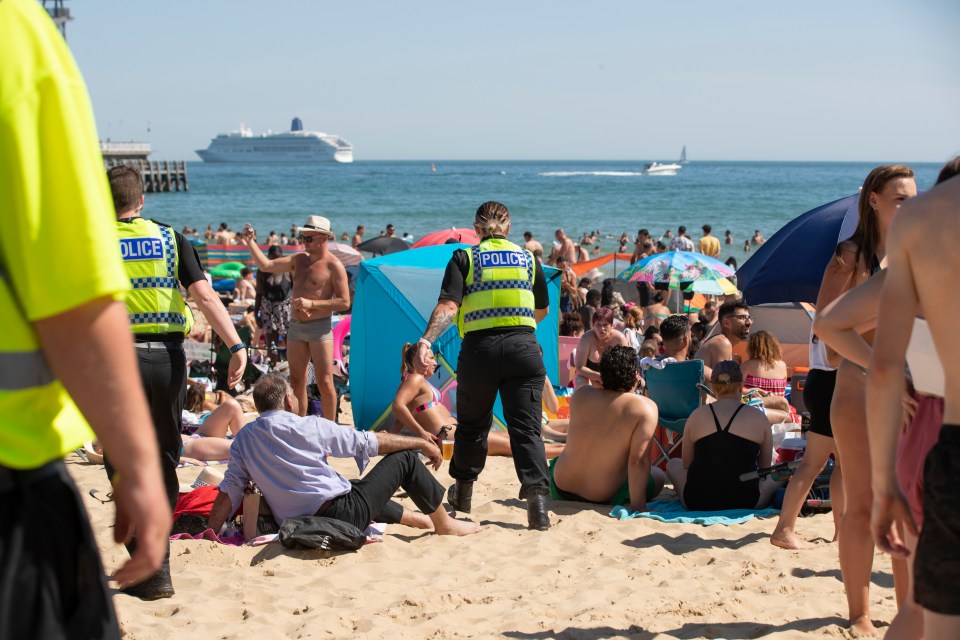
(446,236)
(383,245)
(789,266)
(721,287)
(676,269)
(345,253)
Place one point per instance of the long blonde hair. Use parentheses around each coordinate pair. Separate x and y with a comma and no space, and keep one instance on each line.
(407,353)
(867,235)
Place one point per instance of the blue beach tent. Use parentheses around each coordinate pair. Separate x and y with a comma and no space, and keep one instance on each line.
(789,266)
(394,299)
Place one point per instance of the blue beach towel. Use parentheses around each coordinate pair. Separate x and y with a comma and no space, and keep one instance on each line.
(673,511)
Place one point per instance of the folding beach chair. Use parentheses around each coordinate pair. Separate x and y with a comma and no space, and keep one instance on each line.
(676,391)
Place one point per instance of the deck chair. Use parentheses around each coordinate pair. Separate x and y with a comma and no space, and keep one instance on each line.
(676,391)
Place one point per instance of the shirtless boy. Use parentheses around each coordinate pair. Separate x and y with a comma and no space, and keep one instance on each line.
(921,256)
(319,289)
(607,458)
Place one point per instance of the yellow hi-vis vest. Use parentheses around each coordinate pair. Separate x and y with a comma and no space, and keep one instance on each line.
(149,254)
(499,287)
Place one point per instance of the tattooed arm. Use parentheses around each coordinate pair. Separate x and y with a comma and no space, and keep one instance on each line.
(443,314)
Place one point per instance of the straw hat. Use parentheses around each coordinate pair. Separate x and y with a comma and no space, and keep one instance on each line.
(317,224)
(208,478)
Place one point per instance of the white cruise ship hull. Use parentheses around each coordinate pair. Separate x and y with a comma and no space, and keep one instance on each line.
(296,146)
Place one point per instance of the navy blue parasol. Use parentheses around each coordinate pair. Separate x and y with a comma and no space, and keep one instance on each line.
(789,266)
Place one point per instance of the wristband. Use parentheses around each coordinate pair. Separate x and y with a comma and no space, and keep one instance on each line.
(237,347)
(425,342)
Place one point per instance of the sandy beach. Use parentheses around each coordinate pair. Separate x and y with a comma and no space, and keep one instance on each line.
(589,577)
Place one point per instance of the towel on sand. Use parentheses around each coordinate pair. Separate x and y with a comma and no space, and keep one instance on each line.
(673,511)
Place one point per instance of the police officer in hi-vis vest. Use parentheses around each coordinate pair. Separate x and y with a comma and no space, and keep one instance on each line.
(497,294)
(158,260)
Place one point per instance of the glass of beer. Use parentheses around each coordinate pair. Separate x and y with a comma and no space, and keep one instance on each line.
(447,449)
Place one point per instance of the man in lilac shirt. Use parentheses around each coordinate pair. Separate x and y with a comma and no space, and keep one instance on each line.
(286,456)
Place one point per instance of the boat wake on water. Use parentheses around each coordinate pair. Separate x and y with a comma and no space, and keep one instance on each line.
(567,174)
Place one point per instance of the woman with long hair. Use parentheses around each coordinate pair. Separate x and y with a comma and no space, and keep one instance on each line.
(633,327)
(765,369)
(843,430)
(417,407)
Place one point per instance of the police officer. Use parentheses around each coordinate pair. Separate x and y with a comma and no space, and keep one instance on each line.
(60,316)
(157,261)
(497,294)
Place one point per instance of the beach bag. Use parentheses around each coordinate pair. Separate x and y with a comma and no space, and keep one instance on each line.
(318,532)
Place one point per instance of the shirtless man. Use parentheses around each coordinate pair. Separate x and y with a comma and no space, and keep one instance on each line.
(223,235)
(676,333)
(921,256)
(566,248)
(358,236)
(734,320)
(607,458)
(246,288)
(532,245)
(319,289)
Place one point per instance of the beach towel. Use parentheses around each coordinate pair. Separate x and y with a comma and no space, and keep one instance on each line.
(673,511)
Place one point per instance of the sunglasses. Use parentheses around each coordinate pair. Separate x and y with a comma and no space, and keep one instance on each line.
(309,239)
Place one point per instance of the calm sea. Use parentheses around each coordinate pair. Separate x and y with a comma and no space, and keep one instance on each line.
(579,196)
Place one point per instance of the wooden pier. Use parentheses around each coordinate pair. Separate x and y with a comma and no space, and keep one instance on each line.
(158,176)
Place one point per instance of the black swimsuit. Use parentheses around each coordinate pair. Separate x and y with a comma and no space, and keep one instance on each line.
(713,480)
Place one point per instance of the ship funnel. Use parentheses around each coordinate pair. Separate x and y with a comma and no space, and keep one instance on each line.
(296,125)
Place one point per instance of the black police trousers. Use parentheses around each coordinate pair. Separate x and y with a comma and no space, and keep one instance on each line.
(511,363)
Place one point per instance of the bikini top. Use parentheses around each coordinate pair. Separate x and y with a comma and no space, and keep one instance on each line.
(924,362)
(771,385)
(426,405)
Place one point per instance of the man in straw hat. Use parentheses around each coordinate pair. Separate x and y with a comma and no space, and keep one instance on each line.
(497,294)
(319,288)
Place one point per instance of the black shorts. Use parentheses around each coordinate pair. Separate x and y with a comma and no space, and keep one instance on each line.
(937,566)
(51,580)
(817,396)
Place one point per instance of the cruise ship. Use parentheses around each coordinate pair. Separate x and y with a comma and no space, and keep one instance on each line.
(295,145)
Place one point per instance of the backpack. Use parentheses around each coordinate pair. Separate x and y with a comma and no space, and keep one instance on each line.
(318,532)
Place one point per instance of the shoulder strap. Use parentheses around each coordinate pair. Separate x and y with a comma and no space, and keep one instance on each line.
(715,421)
(730,422)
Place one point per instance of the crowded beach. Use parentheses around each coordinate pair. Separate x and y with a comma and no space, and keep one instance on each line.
(717,491)
(474,437)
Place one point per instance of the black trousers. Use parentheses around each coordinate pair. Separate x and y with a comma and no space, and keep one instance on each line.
(163,371)
(510,363)
(51,580)
(370,497)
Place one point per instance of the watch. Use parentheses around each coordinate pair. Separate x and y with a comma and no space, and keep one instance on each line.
(237,347)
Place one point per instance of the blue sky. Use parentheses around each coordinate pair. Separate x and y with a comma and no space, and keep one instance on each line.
(842,80)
